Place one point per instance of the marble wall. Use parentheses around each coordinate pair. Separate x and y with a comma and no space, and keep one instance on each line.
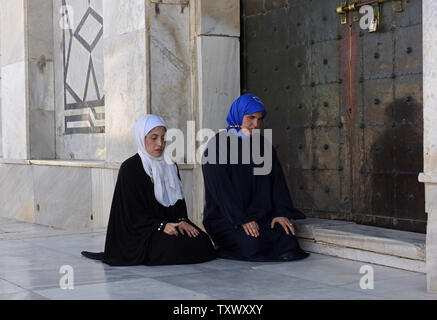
(90,193)
(14,80)
(102,191)
(1,140)
(51,185)
(217,43)
(37,193)
(125,72)
(429,176)
(40,79)
(218,87)
(170,64)
(219,18)
(27,77)
(16,192)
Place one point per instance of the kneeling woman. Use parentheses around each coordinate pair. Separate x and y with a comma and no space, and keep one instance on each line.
(148,222)
(247,215)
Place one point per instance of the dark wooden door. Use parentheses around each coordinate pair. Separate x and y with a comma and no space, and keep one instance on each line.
(345,106)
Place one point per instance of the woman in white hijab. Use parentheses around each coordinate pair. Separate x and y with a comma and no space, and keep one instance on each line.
(148,222)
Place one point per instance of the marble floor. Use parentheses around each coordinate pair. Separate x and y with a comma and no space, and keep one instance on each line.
(32,260)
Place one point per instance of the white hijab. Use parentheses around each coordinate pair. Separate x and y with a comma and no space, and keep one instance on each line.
(162,170)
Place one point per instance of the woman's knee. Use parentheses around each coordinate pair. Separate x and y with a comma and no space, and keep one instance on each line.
(250,245)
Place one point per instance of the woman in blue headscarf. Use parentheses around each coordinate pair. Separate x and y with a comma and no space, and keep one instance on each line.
(248,216)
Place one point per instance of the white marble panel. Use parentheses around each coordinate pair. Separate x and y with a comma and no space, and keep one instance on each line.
(125,92)
(12,13)
(182,3)
(431,236)
(42,134)
(14,111)
(218,87)
(39,29)
(123,16)
(79,146)
(429,18)
(78,67)
(218,17)
(429,85)
(63,196)
(1,139)
(198,190)
(41,110)
(16,192)
(171,65)
(187,183)
(41,88)
(103,186)
(431,249)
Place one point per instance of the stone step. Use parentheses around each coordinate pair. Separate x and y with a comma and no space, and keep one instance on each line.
(393,248)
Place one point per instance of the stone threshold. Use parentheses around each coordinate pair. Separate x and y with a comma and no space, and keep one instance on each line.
(344,239)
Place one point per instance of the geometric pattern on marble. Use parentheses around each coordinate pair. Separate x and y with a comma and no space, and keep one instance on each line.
(83,113)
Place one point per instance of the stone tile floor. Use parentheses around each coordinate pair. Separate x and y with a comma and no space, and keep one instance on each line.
(31,257)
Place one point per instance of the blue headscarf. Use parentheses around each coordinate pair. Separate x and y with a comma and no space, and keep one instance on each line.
(245,104)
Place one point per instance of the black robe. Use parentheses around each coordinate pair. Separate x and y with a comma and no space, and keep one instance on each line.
(135,229)
(234,196)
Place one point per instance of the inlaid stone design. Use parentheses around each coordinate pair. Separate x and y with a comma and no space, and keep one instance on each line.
(83,82)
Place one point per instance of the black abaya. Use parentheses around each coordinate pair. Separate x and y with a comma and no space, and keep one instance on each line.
(135,230)
(235,196)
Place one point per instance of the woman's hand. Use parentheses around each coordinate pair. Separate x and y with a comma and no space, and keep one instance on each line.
(285,223)
(188,228)
(251,228)
(170,229)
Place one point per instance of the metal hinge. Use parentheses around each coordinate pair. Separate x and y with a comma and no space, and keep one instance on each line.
(354,6)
